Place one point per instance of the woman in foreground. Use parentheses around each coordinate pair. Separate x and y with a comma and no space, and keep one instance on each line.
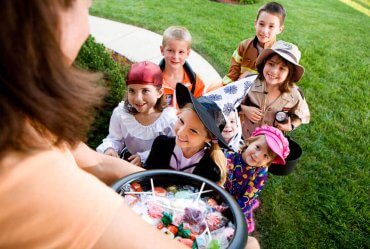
(48,197)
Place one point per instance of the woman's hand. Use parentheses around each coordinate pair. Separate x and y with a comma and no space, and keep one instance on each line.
(111,152)
(107,168)
(135,159)
(252,113)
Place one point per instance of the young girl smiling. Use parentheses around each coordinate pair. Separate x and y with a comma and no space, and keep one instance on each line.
(248,168)
(275,90)
(196,146)
(143,116)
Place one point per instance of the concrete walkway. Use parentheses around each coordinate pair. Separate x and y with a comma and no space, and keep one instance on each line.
(139,44)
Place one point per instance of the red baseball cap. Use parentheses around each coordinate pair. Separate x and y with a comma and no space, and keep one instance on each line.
(145,72)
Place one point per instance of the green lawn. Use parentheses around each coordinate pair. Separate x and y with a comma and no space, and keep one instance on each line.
(325,203)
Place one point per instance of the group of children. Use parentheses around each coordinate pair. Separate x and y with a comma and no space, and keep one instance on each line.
(230,135)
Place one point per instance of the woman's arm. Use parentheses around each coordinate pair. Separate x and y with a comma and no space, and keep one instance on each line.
(108,169)
(128,230)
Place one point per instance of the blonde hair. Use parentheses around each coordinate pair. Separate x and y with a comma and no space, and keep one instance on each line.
(176,33)
(216,153)
(220,160)
(252,139)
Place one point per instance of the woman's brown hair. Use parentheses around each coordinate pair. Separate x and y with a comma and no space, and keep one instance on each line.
(288,83)
(37,87)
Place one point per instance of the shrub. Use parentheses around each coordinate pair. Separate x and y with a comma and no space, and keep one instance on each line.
(95,57)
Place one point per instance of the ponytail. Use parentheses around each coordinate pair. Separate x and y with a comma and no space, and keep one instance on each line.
(220,160)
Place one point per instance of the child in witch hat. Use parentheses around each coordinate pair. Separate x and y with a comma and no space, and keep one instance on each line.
(195,148)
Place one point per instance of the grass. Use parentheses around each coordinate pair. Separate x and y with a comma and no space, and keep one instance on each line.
(325,202)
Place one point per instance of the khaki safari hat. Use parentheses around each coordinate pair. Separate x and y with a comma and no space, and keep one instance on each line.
(289,52)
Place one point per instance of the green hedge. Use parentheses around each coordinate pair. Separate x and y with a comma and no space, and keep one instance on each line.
(95,57)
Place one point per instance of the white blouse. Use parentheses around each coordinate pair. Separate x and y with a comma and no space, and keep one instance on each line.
(125,130)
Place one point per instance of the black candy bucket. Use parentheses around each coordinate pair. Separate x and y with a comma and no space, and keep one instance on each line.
(291,160)
(172,177)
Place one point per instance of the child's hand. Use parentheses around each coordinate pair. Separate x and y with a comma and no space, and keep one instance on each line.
(284,127)
(135,159)
(111,152)
(243,75)
(252,113)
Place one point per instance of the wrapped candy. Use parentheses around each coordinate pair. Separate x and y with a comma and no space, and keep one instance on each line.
(172,189)
(178,218)
(155,210)
(193,215)
(222,236)
(136,187)
(213,220)
(168,232)
(173,229)
(166,218)
(182,214)
(159,191)
(212,203)
(130,199)
(202,241)
(183,231)
(214,244)
(229,232)
(183,195)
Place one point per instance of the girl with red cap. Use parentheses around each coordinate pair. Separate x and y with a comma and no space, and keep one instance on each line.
(141,117)
(247,169)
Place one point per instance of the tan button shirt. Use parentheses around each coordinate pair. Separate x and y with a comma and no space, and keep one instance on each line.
(292,102)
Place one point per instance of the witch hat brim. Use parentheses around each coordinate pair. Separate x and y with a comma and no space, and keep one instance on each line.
(207,110)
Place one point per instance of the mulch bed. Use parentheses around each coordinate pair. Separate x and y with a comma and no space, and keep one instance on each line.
(228,1)
(120,59)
